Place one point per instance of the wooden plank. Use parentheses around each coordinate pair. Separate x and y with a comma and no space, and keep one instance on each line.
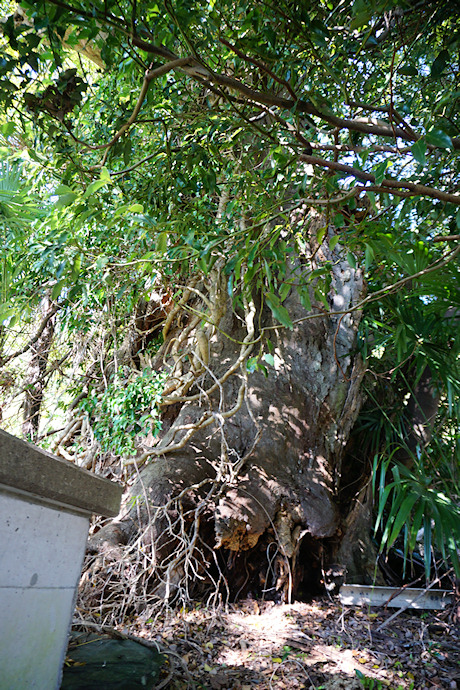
(394,597)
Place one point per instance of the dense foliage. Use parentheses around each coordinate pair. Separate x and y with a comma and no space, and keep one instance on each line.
(150,144)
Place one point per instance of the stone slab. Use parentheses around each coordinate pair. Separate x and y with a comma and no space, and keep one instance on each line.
(26,468)
(394,597)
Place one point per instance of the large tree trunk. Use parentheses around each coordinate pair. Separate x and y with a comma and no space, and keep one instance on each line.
(248,502)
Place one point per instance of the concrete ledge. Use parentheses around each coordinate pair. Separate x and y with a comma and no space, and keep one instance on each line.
(25,467)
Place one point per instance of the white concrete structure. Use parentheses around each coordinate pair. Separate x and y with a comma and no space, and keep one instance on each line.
(45,507)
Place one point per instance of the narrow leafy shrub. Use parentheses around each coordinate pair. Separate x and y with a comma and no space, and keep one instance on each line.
(126,411)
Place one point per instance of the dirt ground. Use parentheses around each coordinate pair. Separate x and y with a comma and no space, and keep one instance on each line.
(314,645)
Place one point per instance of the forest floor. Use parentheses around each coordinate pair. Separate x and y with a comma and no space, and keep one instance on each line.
(320,644)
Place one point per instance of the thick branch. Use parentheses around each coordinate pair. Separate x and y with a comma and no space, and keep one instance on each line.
(150,75)
(388,184)
(201,72)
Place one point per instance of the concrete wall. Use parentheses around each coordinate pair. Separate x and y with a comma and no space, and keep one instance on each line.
(41,554)
(45,507)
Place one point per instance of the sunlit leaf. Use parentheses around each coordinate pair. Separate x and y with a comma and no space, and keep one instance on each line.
(280,313)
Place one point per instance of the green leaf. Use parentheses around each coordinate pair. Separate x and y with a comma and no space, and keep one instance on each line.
(383,498)
(368,256)
(284,291)
(333,242)
(305,299)
(416,524)
(269,359)
(380,172)
(76,267)
(280,313)
(66,199)
(339,220)
(5,312)
(408,70)
(203,264)
(437,137)
(94,186)
(105,175)
(402,516)
(57,289)
(351,259)
(147,256)
(251,364)
(439,64)
(419,151)
(321,296)
(162,242)
(8,129)
(427,544)
(320,235)
(361,19)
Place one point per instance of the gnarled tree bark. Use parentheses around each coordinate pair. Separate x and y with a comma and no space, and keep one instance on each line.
(251,497)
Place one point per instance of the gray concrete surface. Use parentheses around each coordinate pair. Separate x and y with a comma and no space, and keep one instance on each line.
(25,467)
(45,507)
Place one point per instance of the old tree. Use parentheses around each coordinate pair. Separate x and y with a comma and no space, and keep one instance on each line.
(231,280)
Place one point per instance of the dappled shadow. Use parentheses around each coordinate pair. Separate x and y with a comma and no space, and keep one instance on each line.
(304,645)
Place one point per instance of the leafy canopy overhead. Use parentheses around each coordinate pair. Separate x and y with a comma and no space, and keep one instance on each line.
(180,136)
(173,138)
(268,107)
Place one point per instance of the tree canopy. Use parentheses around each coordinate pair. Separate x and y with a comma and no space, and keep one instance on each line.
(162,150)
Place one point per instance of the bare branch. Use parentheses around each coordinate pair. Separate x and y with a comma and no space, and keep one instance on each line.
(32,341)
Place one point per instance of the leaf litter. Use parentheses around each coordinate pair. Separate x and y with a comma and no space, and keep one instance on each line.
(316,645)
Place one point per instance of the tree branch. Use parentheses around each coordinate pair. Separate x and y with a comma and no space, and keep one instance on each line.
(201,72)
(386,184)
(149,76)
(32,341)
